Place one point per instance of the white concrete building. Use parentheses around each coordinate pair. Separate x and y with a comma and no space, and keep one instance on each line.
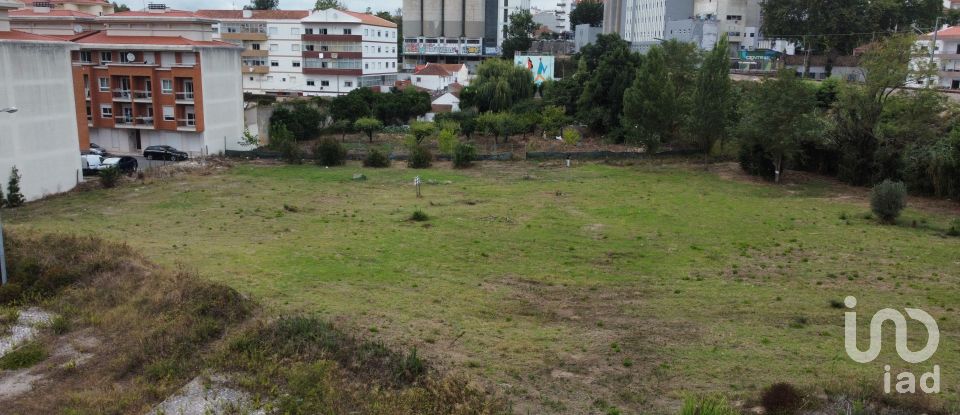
(504,9)
(740,20)
(41,139)
(946,58)
(439,77)
(91,7)
(43,20)
(645,21)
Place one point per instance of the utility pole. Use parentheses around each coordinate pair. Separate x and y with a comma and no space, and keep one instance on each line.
(933,50)
(3,256)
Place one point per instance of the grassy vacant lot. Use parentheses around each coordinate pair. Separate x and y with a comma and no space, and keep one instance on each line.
(572,290)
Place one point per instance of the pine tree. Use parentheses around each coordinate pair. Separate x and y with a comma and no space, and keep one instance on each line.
(650,110)
(14,196)
(712,111)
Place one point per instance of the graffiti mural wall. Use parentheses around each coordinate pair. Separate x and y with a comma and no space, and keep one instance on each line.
(540,67)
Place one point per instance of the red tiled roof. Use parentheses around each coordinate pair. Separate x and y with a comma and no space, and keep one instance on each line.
(18,35)
(432,69)
(166,13)
(950,32)
(104,39)
(100,2)
(257,14)
(51,13)
(371,19)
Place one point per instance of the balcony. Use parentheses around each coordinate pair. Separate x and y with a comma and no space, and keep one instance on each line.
(123,121)
(143,95)
(260,36)
(255,69)
(143,122)
(251,53)
(186,96)
(122,94)
(187,124)
(332,38)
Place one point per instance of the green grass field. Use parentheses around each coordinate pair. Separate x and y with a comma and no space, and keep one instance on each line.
(569,290)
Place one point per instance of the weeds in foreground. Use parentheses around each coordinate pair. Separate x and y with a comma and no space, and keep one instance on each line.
(24,356)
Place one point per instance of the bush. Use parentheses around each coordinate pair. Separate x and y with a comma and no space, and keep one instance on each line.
(14,196)
(754,161)
(707,405)
(954,228)
(419,216)
(888,199)
(23,357)
(329,152)
(463,155)
(420,157)
(109,177)
(781,399)
(376,158)
(571,136)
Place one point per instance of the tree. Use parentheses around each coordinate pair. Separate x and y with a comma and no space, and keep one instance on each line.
(500,124)
(263,5)
(650,113)
(385,15)
(563,93)
(587,12)
(518,37)
(778,116)
(282,140)
(400,106)
(15,197)
(498,86)
(301,118)
(421,130)
(601,103)
(341,127)
(552,120)
(118,8)
(712,104)
(328,4)
(249,139)
(369,126)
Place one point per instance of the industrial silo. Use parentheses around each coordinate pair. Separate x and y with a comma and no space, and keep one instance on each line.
(412,18)
(473,19)
(432,18)
(453,18)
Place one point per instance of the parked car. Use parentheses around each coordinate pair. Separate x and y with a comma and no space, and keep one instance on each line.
(91,163)
(164,153)
(125,164)
(95,149)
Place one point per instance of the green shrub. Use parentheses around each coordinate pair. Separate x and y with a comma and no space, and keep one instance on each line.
(447,140)
(329,152)
(755,161)
(707,405)
(571,136)
(781,399)
(422,129)
(376,158)
(464,155)
(109,177)
(954,228)
(23,357)
(420,157)
(60,325)
(888,199)
(419,216)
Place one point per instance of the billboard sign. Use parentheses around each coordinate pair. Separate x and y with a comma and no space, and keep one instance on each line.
(540,67)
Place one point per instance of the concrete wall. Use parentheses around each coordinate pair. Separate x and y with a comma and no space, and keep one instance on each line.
(585,35)
(222,100)
(41,139)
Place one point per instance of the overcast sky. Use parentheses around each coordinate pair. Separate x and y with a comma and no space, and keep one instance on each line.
(358,5)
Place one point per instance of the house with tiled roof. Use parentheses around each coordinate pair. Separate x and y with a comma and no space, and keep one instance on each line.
(42,19)
(40,139)
(91,7)
(946,58)
(438,77)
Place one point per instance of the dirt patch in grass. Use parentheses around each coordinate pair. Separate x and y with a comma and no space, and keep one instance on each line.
(623,347)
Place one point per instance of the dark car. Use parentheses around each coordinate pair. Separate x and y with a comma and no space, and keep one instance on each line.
(126,164)
(164,153)
(97,150)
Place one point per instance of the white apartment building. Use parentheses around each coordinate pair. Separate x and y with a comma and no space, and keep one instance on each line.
(645,21)
(41,19)
(504,9)
(740,20)
(946,58)
(40,139)
(298,52)
(92,7)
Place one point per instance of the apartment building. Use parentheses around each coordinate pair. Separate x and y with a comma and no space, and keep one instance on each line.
(157,77)
(41,138)
(42,19)
(91,7)
(320,53)
(946,58)
(455,31)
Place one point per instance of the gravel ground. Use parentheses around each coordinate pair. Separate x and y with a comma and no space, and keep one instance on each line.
(27,327)
(207,397)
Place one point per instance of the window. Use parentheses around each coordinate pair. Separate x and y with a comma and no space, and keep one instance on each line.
(308,31)
(104,84)
(366,66)
(348,31)
(124,57)
(274,47)
(166,86)
(251,78)
(269,78)
(322,31)
(106,111)
(275,63)
(168,114)
(366,32)
(255,46)
(311,83)
(272,30)
(295,31)
(324,83)
(89,112)
(106,57)
(296,64)
(379,49)
(295,47)
(348,84)
(86,57)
